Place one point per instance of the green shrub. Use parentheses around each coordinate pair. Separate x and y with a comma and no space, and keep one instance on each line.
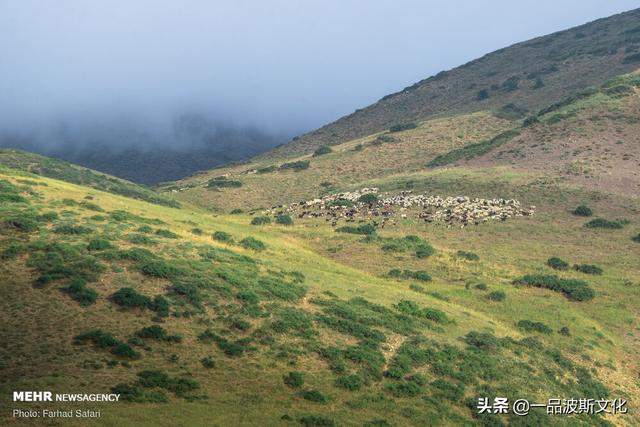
(350,382)
(155,378)
(260,220)
(159,268)
(295,166)
(145,229)
(482,94)
(421,275)
(636,238)
(402,127)
(284,220)
(222,236)
(57,261)
(160,305)
(316,421)
(557,264)
(130,298)
(197,231)
(91,206)
(125,350)
(78,290)
(208,362)
(141,239)
(368,198)
(588,269)
(267,169)
(155,332)
(448,390)
(188,291)
(404,389)
(530,326)
(236,211)
(48,216)
(564,331)
(481,340)
(470,256)
(252,243)
(222,182)
(293,321)
(325,149)
(294,379)
(582,210)
(435,315)
(98,337)
(383,139)
(23,223)
(497,296)
(314,396)
(424,251)
(99,245)
(230,348)
(577,290)
(166,233)
(12,251)
(604,223)
(364,229)
(481,286)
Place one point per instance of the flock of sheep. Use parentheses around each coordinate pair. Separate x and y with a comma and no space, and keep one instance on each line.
(352,206)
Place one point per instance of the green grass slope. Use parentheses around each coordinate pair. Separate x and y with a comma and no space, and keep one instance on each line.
(59,169)
(199,319)
(524,77)
(587,139)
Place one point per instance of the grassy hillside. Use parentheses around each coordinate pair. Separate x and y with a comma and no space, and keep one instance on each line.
(528,75)
(58,169)
(591,140)
(588,139)
(198,319)
(264,182)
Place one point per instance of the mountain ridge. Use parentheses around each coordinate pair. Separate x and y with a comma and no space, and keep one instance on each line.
(531,74)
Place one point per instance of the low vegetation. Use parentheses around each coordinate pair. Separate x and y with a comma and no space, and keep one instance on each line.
(574,289)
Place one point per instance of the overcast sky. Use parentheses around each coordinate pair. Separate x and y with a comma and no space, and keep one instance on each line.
(286,66)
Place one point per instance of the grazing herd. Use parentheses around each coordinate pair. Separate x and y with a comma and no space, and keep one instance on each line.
(367,204)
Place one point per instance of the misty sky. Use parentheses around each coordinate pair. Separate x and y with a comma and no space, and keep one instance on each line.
(286,66)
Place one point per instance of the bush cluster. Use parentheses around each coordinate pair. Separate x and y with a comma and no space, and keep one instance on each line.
(470,256)
(130,298)
(223,182)
(557,264)
(295,166)
(252,243)
(531,326)
(582,210)
(157,332)
(325,149)
(78,290)
(222,236)
(577,290)
(57,261)
(284,219)
(104,340)
(605,223)
(402,127)
(260,220)
(497,296)
(294,379)
(363,229)
(588,269)
(420,275)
